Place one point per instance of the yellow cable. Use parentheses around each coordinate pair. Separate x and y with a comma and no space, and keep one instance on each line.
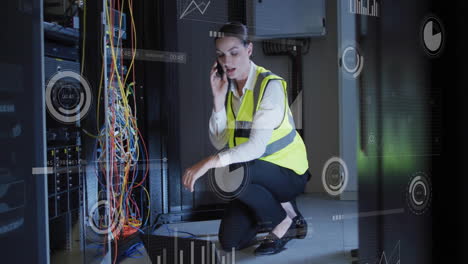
(99,97)
(114,58)
(149,203)
(134,40)
(84,37)
(83,55)
(129,117)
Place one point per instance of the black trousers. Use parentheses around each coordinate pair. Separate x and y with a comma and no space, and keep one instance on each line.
(259,205)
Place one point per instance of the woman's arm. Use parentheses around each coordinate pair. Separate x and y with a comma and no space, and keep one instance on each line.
(268,117)
(217,129)
(218,120)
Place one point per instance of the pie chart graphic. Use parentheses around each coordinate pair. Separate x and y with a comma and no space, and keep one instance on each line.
(433,35)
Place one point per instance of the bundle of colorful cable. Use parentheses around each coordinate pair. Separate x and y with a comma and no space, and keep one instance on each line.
(120,149)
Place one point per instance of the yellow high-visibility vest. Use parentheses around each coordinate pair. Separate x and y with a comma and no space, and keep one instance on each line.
(285,147)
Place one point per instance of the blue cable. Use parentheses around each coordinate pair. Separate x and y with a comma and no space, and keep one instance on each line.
(131,251)
(183,232)
(96,165)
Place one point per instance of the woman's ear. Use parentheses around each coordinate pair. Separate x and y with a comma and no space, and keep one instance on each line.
(250,48)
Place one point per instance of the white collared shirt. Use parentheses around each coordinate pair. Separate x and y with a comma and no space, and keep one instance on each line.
(266,119)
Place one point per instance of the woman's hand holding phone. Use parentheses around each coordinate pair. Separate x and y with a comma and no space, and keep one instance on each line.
(219,86)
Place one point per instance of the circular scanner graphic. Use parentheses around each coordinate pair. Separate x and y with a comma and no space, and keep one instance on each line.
(68,97)
(335,176)
(419,193)
(352,61)
(100,222)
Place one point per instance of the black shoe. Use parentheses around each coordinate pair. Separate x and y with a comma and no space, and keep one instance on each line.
(299,222)
(271,244)
(300,226)
(252,242)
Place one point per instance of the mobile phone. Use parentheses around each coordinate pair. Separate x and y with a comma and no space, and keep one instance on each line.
(220,69)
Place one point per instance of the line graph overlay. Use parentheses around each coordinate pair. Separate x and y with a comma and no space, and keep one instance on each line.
(393,257)
(192,6)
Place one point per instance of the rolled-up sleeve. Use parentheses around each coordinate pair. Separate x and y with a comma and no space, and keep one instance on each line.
(268,117)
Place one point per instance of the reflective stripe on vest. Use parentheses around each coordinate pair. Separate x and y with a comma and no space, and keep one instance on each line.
(282,142)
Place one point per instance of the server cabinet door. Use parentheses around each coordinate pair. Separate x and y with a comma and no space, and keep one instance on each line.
(23,204)
(399,133)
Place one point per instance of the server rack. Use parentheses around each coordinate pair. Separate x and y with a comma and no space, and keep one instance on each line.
(400,135)
(23,156)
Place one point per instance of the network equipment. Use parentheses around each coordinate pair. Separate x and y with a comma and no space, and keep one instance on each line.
(120,154)
(65,168)
(11,202)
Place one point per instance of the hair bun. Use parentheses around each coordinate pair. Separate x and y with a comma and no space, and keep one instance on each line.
(235,29)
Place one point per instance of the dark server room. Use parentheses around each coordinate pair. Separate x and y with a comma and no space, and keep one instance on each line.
(233,131)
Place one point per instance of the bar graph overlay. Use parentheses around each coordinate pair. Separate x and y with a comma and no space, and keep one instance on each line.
(365,7)
(186,250)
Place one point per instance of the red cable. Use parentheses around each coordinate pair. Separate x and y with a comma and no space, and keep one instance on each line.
(147,163)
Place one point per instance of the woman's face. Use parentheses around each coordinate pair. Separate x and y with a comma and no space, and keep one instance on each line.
(234,57)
